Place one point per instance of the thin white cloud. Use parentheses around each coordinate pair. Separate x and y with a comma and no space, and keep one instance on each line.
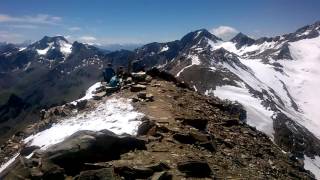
(10,37)
(74,28)
(36,19)
(87,39)
(23,26)
(224,32)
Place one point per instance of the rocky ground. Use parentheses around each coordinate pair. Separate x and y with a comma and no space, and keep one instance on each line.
(183,135)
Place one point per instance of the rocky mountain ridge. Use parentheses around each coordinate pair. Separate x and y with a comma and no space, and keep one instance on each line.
(275,79)
(182,135)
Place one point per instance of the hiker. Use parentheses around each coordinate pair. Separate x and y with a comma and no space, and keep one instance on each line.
(114,82)
(108,73)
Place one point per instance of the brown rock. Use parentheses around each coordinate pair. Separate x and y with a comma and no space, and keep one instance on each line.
(195,168)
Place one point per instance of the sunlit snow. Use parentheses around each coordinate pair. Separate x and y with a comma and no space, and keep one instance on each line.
(44,51)
(89,93)
(304,79)
(194,61)
(313,165)
(116,115)
(65,47)
(257,115)
(164,48)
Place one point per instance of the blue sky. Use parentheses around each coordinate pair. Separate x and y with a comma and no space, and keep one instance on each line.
(142,21)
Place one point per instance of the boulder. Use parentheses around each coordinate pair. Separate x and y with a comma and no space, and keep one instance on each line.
(209,145)
(184,138)
(138,87)
(88,146)
(195,168)
(25,151)
(150,97)
(100,89)
(81,104)
(110,90)
(142,95)
(139,76)
(199,139)
(99,96)
(145,126)
(197,123)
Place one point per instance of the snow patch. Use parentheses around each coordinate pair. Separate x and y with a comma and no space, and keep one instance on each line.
(197,35)
(257,115)
(89,93)
(116,115)
(27,66)
(44,51)
(22,48)
(303,80)
(65,48)
(312,165)
(164,48)
(194,61)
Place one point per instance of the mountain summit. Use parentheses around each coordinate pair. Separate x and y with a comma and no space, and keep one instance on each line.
(275,79)
(241,40)
(52,47)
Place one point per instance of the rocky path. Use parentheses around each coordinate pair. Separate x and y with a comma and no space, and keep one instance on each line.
(183,135)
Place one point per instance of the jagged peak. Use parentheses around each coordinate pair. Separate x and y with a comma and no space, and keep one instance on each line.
(240,35)
(198,35)
(241,39)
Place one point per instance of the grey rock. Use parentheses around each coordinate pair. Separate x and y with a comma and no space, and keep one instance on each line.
(138,87)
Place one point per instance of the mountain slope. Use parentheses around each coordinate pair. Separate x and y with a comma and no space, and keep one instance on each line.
(182,134)
(50,72)
(276,79)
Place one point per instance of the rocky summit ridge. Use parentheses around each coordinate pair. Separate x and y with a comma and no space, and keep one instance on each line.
(182,134)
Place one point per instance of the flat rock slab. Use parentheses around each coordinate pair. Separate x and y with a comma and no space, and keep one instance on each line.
(138,87)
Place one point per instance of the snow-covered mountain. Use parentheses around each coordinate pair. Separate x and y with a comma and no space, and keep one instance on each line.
(52,46)
(276,79)
(46,73)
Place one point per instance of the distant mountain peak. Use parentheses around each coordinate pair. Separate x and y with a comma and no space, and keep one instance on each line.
(57,46)
(241,39)
(195,37)
(53,39)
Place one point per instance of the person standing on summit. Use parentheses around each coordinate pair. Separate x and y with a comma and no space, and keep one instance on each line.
(108,73)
